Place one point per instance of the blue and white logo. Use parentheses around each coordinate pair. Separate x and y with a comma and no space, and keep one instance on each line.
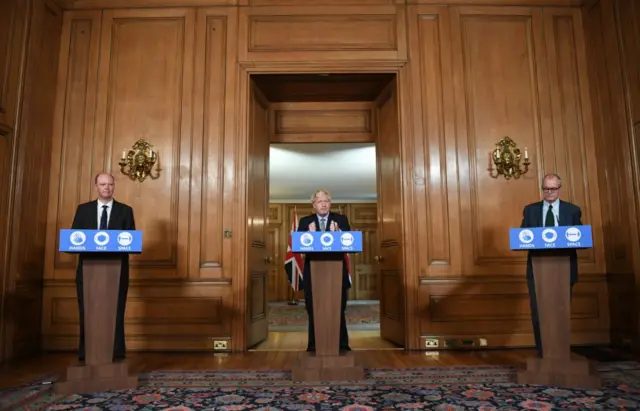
(545,238)
(125,239)
(77,238)
(346,239)
(573,234)
(101,238)
(306,239)
(326,242)
(549,235)
(526,236)
(100,241)
(326,239)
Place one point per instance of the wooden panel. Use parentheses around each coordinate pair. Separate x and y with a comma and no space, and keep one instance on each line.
(476,74)
(155,317)
(13,21)
(206,238)
(119,4)
(257,215)
(75,114)
(110,67)
(514,38)
(334,87)
(390,218)
(14,17)
(573,139)
(321,33)
(298,3)
(497,310)
(606,23)
(141,49)
(23,280)
(106,4)
(435,177)
(501,2)
(628,14)
(321,122)
(542,103)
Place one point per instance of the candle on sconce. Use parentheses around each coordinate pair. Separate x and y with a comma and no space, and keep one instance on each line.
(526,153)
(124,154)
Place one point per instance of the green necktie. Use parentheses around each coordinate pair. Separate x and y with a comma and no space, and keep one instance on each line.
(323,225)
(550,220)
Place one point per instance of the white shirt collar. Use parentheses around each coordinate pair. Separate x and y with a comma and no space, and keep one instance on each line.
(109,204)
(555,204)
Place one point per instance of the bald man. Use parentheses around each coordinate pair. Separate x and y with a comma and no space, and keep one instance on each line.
(105,213)
(550,212)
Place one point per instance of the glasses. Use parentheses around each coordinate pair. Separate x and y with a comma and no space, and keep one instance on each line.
(550,189)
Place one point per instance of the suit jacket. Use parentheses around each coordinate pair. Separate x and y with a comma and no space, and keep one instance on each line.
(121,218)
(569,214)
(343,225)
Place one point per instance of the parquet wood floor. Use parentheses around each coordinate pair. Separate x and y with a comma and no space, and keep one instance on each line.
(374,354)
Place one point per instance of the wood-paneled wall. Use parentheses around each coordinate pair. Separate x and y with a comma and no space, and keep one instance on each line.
(30,44)
(468,75)
(613,42)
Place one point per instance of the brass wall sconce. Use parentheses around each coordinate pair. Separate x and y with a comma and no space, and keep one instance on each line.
(506,158)
(137,163)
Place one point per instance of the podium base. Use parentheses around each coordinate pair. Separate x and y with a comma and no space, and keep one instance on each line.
(309,367)
(85,379)
(573,373)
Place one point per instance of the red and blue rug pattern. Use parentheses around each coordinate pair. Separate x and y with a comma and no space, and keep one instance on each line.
(480,388)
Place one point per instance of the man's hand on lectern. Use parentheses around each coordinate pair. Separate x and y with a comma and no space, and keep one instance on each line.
(334,226)
(312,226)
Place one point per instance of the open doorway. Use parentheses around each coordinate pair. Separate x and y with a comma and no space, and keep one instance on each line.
(323,131)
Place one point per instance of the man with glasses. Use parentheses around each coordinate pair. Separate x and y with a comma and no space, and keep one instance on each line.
(324,220)
(550,212)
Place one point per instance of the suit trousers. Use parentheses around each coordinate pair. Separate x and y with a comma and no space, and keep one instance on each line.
(119,347)
(308,302)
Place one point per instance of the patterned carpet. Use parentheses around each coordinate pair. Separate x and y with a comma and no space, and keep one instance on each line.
(360,314)
(436,388)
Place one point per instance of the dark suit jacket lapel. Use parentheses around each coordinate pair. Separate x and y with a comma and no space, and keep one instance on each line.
(92,216)
(538,216)
(115,211)
(563,219)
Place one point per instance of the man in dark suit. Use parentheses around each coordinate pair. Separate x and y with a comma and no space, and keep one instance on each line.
(551,212)
(324,220)
(105,214)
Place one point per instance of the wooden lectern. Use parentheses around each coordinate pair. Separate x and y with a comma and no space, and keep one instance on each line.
(327,363)
(101,280)
(551,272)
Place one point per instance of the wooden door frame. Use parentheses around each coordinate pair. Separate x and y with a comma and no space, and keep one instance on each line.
(240,286)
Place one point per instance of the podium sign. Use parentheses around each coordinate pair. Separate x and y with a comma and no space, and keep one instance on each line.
(326,241)
(100,241)
(545,238)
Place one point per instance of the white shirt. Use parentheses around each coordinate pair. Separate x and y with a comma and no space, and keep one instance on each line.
(326,222)
(555,210)
(109,208)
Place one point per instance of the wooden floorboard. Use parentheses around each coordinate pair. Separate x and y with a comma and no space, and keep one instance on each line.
(24,371)
(280,351)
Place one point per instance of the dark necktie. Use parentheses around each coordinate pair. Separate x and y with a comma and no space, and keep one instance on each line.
(323,225)
(103,218)
(549,220)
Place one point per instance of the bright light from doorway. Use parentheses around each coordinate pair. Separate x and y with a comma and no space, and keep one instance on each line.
(347,170)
